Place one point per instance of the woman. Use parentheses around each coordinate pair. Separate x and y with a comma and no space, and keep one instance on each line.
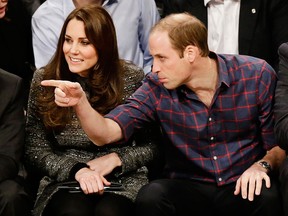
(56,144)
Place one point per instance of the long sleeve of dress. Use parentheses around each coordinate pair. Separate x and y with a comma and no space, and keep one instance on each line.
(39,151)
(144,151)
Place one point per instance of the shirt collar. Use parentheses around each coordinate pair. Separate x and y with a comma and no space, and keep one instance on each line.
(223,77)
(222,69)
(206,2)
(109,2)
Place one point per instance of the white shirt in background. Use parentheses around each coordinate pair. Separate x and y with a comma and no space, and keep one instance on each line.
(223,25)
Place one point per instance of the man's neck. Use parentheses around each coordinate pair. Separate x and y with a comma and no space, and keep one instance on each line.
(205,77)
(80,3)
(204,84)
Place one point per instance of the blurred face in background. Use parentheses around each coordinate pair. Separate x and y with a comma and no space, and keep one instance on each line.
(3,8)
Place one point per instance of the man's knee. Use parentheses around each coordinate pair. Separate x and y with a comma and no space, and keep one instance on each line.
(9,191)
(269,202)
(152,192)
(13,199)
(283,172)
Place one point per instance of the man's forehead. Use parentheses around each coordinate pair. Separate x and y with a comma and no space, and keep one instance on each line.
(159,45)
(159,37)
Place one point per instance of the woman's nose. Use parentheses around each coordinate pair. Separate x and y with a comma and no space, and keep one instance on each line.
(74,48)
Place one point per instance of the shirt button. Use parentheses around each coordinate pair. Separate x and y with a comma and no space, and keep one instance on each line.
(211,138)
(253,10)
(215,157)
(220,179)
(210,119)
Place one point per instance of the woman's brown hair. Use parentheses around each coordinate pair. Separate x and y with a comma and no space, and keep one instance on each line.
(105,79)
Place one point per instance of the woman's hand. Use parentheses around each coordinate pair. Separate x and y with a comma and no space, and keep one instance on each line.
(104,165)
(91,181)
(66,93)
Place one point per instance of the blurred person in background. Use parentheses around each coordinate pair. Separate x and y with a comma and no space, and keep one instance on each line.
(14,199)
(246,27)
(16,54)
(133,20)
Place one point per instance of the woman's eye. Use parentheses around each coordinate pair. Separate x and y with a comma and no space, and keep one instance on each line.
(85,43)
(68,40)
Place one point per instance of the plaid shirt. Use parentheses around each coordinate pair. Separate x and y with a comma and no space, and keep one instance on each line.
(216,143)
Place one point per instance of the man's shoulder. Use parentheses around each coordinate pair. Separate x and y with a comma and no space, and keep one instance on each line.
(283,49)
(7,77)
(242,60)
(10,85)
(243,66)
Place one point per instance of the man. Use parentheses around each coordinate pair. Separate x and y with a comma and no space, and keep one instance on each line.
(13,198)
(16,42)
(132,19)
(281,123)
(216,114)
(247,27)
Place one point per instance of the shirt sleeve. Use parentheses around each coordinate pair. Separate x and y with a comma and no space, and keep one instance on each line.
(266,89)
(139,111)
(46,28)
(149,17)
(40,155)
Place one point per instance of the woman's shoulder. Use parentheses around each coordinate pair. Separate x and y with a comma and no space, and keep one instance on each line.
(133,77)
(132,71)
(38,74)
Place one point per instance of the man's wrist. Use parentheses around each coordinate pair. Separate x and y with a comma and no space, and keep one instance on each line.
(266,165)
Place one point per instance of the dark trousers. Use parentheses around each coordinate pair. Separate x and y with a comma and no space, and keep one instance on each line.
(284,185)
(14,200)
(192,198)
(78,204)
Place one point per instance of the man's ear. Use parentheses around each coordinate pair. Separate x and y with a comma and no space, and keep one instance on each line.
(190,53)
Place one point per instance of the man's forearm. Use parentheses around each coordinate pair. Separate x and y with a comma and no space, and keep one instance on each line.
(100,130)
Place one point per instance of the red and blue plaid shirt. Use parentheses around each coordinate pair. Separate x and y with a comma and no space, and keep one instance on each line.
(216,143)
